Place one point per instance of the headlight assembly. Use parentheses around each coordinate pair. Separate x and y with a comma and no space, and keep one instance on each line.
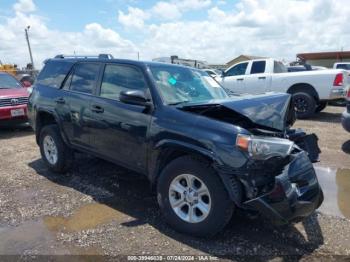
(262,148)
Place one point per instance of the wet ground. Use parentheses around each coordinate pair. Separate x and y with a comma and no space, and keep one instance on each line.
(100,208)
(336,189)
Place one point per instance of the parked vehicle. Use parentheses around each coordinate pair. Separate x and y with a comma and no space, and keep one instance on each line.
(311,90)
(213,72)
(205,153)
(26,80)
(13,100)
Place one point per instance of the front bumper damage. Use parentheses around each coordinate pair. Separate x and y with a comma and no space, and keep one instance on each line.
(296,193)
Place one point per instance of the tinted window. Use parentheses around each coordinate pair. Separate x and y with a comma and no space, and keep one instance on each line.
(84,77)
(278,67)
(7,81)
(258,67)
(237,70)
(54,73)
(343,66)
(117,78)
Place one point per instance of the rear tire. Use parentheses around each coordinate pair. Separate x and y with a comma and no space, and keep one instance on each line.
(304,104)
(215,201)
(321,106)
(56,154)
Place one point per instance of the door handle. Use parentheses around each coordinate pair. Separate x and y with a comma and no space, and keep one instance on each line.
(60,100)
(262,77)
(240,79)
(97,109)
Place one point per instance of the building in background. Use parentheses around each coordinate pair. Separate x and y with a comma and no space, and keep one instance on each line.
(241,58)
(326,59)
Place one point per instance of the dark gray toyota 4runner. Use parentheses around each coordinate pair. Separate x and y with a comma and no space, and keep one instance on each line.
(206,153)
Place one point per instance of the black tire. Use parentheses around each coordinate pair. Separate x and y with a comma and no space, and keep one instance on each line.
(320,107)
(221,206)
(304,104)
(64,153)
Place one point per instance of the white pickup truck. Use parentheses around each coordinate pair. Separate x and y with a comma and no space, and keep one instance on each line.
(311,90)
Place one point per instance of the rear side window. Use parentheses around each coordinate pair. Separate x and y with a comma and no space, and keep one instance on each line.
(84,77)
(278,67)
(118,78)
(258,67)
(343,66)
(54,73)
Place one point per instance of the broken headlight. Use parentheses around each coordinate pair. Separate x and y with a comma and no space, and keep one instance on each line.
(262,148)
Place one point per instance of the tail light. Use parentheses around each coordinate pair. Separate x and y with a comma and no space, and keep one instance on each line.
(348,94)
(338,81)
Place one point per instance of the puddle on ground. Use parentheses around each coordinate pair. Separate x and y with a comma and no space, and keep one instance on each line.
(336,188)
(88,216)
(30,238)
(39,237)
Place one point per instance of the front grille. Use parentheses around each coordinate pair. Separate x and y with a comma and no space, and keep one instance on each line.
(15,101)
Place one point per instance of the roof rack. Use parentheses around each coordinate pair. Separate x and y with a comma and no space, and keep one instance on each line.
(100,56)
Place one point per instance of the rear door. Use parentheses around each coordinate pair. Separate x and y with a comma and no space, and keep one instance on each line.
(233,79)
(74,102)
(119,132)
(257,80)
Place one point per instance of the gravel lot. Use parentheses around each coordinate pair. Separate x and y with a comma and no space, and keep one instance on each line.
(99,208)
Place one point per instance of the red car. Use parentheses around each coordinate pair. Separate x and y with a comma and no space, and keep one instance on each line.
(13,100)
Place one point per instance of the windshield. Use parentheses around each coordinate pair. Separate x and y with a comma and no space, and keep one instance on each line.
(7,82)
(181,85)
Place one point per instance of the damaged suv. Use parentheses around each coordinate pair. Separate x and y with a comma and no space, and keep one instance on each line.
(205,153)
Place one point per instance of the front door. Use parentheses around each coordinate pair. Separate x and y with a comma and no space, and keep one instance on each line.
(233,79)
(119,132)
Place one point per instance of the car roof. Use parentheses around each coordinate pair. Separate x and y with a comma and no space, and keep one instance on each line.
(114,60)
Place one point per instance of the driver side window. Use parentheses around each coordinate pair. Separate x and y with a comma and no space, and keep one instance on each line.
(237,70)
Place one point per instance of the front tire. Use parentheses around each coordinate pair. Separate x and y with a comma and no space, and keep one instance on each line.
(55,153)
(304,104)
(193,198)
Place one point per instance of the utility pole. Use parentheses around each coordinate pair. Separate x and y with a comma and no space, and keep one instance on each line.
(30,50)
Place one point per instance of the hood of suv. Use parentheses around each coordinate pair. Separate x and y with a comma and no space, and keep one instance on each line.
(13,92)
(272,111)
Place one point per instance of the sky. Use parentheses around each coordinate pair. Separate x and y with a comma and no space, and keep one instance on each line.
(212,30)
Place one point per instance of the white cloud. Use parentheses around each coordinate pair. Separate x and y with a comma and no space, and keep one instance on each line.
(266,27)
(166,11)
(187,5)
(47,43)
(134,18)
(24,6)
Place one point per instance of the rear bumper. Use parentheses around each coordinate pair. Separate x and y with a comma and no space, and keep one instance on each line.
(337,93)
(296,193)
(6,116)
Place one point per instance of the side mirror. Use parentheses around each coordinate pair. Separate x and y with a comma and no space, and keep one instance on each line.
(223,74)
(134,97)
(26,84)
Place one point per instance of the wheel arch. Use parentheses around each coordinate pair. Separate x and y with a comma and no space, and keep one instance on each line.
(44,118)
(305,88)
(169,151)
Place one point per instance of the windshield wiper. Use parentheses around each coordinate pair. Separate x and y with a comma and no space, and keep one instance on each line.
(178,103)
